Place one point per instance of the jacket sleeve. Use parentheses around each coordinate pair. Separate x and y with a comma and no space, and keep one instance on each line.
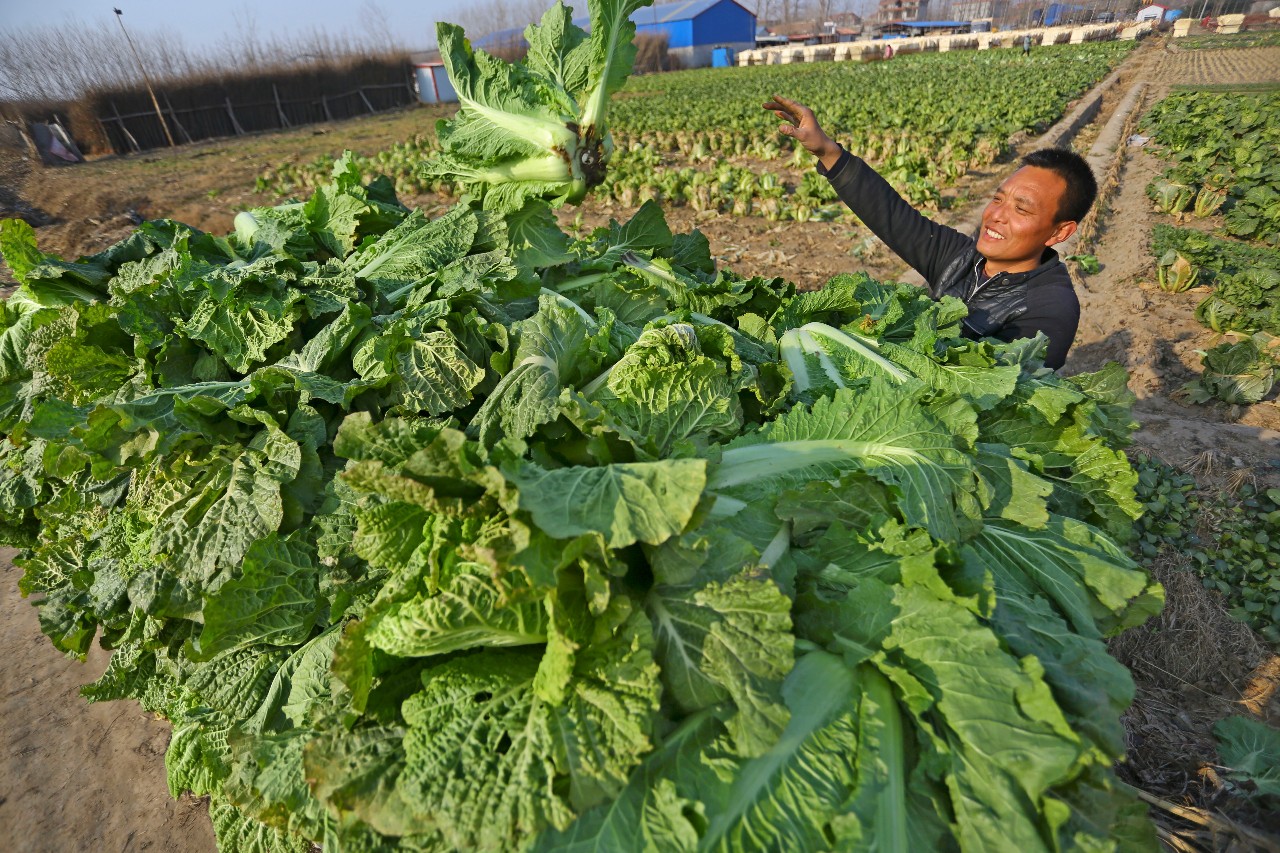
(925,245)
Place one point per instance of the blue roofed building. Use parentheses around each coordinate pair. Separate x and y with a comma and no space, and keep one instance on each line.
(694,29)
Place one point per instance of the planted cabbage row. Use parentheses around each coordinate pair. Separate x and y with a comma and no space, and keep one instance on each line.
(1222,146)
(1255,38)
(957,110)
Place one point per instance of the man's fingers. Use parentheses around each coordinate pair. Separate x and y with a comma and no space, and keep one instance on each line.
(795,108)
(784,109)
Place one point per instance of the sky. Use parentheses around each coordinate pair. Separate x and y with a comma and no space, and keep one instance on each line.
(202,24)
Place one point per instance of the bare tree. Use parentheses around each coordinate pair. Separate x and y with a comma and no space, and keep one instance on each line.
(491,16)
(377,27)
(66,60)
(62,61)
(246,35)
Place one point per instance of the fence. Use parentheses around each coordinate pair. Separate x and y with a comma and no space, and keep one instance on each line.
(123,121)
(138,131)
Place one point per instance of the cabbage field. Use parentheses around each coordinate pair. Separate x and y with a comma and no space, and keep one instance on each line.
(680,142)
(453,527)
(1223,146)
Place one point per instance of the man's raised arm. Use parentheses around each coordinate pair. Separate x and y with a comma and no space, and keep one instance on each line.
(922,243)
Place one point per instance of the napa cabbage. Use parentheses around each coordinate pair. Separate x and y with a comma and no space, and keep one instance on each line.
(537,128)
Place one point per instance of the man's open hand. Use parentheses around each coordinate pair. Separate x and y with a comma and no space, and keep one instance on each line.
(804,128)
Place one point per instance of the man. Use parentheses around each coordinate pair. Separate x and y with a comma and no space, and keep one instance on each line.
(1013,282)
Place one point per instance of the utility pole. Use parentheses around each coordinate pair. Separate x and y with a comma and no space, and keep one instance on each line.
(164,124)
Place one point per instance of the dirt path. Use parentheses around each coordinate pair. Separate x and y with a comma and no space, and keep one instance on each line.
(75,776)
(1126,318)
(1155,335)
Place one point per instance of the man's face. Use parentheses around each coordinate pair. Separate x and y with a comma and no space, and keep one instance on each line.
(1022,218)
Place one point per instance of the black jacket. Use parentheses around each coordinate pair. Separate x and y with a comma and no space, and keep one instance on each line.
(1008,306)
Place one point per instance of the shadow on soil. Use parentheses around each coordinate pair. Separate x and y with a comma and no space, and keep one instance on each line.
(1155,368)
(13,207)
(1092,356)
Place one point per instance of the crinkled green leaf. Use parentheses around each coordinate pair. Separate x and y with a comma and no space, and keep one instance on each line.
(231,503)
(783,799)
(469,611)
(1092,585)
(882,430)
(727,641)
(664,390)
(628,502)
(414,250)
(479,717)
(273,600)
(556,348)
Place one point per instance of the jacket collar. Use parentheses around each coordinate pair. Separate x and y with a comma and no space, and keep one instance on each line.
(1047,260)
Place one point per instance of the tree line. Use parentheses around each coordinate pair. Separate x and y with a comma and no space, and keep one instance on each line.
(64,61)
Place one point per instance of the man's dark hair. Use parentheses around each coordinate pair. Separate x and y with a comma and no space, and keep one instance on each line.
(1082,187)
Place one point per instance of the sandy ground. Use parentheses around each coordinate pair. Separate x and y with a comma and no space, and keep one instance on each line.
(1126,318)
(75,776)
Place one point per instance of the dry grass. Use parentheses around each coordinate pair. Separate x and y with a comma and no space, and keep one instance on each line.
(1188,664)
(1109,181)
(1193,830)
(1193,666)
(1207,465)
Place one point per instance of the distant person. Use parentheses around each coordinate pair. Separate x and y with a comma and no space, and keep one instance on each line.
(1013,282)
(1026,44)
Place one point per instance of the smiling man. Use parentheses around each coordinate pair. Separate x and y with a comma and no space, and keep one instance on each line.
(1010,277)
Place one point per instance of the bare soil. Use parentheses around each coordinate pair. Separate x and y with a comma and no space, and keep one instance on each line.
(1126,318)
(75,776)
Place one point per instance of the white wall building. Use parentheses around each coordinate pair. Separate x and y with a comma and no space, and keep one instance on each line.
(1154,13)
